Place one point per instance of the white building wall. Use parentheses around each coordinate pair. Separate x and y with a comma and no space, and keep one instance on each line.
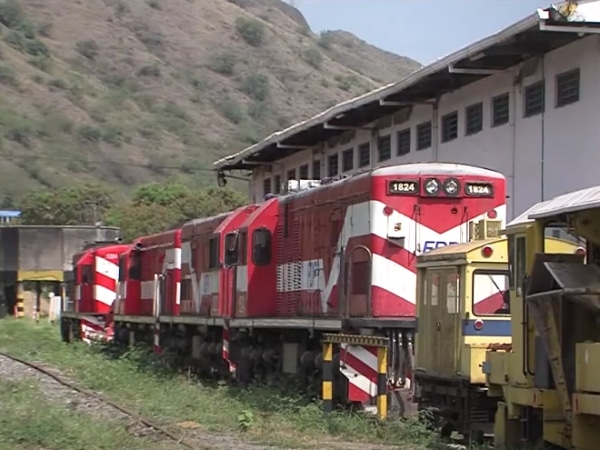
(564,141)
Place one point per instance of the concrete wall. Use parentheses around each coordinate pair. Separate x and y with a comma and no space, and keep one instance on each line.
(46,247)
(542,156)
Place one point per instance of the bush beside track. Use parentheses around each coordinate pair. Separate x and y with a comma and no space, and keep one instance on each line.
(135,381)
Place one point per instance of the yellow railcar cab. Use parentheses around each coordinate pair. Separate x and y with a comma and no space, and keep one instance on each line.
(462,306)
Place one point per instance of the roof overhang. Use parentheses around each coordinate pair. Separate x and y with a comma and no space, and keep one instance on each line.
(533,36)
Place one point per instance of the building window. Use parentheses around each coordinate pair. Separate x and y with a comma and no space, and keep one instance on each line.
(277,183)
(332,166)
(384,148)
(267,186)
(424,135)
(291,174)
(316,170)
(533,99)
(348,160)
(500,110)
(450,126)
(303,172)
(403,147)
(364,155)
(567,88)
(474,118)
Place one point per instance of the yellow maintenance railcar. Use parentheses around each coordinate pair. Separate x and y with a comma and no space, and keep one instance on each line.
(548,383)
(464,312)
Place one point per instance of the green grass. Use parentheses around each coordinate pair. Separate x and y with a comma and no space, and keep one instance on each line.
(260,414)
(28,421)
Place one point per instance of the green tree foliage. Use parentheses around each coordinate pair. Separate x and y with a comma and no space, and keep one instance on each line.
(76,205)
(152,208)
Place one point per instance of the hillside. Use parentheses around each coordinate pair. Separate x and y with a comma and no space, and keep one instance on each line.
(129,91)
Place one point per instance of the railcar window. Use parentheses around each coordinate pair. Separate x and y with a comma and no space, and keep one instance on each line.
(231,249)
(261,247)
(433,287)
(452,292)
(213,253)
(490,292)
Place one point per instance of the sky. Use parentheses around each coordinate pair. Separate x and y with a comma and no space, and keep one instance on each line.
(424,30)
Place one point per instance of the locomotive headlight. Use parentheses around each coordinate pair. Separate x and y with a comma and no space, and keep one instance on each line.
(432,186)
(451,187)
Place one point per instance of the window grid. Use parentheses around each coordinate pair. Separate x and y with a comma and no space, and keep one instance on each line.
(567,87)
(348,160)
(403,144)
(303,172)
(450,126)
(424,135)
(474,118)
(364,155)
(384,148)
(267,186)
(291,174)
(533,99)
(277,184)
(316,170)
(332,166)
(500,110)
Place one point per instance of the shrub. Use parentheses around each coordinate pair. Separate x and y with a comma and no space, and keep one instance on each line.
(11,13)
(256,86)
(313,57)
(155,4)
(149,71)
(325,40)
(44,63)
(88,49)
(113,135)
(58,83)
(45,29)
(223,63)
(16,40)
(7,75)
(36,48)
(90,133)
(149,38)
(345,82)
(231,110)
(250,30)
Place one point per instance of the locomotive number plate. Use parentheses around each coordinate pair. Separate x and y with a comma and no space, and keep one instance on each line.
(403,187)
(479,190)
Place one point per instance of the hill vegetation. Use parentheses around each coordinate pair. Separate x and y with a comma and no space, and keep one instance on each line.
(123,92)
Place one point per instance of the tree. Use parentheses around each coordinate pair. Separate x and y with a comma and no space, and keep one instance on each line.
(76,205)
(142,220)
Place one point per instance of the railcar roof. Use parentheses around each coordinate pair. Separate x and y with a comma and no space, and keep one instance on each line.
(568,203)
(456,251)
(202,220)
(436,168)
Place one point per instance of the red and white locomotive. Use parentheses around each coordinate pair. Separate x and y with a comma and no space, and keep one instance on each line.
(251,291)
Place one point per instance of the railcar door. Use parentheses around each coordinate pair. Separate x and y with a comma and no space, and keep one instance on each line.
(448,320)
(358,281)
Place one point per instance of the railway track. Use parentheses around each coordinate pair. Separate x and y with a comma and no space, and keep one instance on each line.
(149,426)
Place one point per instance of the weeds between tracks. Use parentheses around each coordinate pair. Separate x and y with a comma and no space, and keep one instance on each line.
(136,382)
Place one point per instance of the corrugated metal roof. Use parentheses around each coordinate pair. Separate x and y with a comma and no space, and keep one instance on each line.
(587,11)
(568,203)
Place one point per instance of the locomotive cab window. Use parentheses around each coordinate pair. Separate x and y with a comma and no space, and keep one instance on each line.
(261,247)
(490,294)
(135,266)
(231,249)
(86,274)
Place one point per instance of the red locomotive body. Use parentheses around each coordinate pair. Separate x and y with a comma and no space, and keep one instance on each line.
(95,285)
(364,232)
(256,274)
(200,266)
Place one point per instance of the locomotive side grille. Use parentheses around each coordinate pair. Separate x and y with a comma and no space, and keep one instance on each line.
(296,275)
(280,269)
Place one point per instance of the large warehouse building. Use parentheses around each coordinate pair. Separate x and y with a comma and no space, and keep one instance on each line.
(525,102)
